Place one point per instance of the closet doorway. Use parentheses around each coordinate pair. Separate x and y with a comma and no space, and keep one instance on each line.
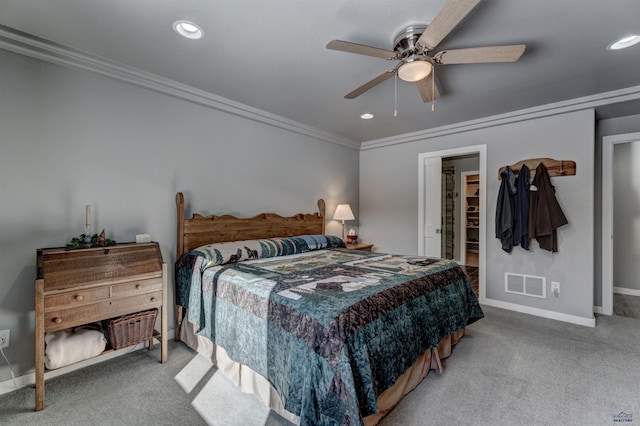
(442,225)
(620,245)
(450,198)
(470,215)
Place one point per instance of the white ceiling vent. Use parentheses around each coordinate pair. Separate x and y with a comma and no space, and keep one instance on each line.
(525,285)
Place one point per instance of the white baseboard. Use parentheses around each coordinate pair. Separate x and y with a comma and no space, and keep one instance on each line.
(588,322)
(627,291)
(598,310)
(30,378)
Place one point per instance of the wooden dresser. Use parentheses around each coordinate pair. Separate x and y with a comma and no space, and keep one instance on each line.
(78,287)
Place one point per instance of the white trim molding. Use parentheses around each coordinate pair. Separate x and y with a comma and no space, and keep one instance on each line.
(577,104)
(48,51)
(587,322)
(626,291)
(28,45)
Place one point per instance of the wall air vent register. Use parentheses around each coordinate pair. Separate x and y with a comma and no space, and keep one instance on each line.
(525,285)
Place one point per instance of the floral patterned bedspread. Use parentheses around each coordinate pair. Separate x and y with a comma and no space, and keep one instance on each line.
(331,329)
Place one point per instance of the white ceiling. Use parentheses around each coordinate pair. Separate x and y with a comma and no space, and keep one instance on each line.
(271,55)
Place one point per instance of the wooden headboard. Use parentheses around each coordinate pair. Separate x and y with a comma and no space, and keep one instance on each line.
(201,230)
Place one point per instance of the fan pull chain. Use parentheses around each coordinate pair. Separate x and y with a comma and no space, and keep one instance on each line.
(395,96)
(433,89)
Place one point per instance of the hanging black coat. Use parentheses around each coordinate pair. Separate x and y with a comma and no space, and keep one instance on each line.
(505,210)
(545,213)
(521,225)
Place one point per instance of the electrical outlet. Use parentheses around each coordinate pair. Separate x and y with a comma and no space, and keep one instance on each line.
(4,338)
(555,288)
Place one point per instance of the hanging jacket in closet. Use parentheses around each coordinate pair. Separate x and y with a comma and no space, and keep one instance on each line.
(505,210)
(545,213)
(521,225)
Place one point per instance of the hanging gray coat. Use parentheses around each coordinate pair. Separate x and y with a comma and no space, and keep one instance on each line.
(505,210)
(545,214)
(521,223)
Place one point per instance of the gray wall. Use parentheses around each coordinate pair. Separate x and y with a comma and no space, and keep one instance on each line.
(70,138)
(609,127)
(389,203)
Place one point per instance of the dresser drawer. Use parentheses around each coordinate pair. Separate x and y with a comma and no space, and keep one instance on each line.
(136,287)
(100,310)
(74,298)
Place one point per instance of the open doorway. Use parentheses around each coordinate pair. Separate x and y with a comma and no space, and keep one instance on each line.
(449,202)
(442,227)
(467,207)
(620,203)
(626,245)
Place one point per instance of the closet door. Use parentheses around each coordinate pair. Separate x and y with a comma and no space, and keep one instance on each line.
(432,207)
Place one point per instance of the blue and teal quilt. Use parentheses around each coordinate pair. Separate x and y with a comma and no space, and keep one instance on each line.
(330,328)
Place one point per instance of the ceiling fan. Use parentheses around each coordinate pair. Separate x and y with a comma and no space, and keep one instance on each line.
(414,49)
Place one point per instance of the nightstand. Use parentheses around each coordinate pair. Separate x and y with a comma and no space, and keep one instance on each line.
(363,247)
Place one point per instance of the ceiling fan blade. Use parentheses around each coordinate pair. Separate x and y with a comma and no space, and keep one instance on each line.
(476,55)
(347,46)
(379,79)
(425,88)
(446,20)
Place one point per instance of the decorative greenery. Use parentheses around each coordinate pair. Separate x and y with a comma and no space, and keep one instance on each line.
(85,241)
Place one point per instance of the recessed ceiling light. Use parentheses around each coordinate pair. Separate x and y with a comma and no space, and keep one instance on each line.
(188,29)
(366,116)
(624,42)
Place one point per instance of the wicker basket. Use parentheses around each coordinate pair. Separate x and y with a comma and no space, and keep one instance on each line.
(132,329)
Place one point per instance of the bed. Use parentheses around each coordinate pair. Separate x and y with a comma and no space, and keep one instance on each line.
(321,334)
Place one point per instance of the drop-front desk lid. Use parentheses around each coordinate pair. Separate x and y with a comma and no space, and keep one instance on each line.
(61,268)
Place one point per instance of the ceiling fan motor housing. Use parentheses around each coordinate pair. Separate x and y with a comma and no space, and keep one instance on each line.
(405,41)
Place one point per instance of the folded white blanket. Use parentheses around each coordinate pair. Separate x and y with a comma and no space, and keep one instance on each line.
(66,347)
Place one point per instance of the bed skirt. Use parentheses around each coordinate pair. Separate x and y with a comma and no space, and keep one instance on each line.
(249,381)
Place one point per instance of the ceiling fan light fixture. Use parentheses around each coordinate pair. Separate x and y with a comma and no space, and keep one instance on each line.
(624,42)
(188,29)
(414,70)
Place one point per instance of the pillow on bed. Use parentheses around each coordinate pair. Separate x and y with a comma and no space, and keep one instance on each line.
(237,251)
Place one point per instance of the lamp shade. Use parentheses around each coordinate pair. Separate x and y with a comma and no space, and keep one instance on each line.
(343,212)
(415,70)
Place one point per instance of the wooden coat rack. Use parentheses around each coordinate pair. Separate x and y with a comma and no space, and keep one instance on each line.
(554,167)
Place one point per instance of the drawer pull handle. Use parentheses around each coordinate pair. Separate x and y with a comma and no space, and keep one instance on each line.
(57,320)
(138,286)
(79,298)
(153,299)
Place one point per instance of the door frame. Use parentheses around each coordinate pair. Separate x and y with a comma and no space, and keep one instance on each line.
(608,143)
(481,150)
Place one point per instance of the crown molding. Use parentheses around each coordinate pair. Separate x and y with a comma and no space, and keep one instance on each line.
(48,51)
(577,104)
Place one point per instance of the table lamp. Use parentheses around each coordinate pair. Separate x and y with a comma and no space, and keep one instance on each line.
(343,212)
